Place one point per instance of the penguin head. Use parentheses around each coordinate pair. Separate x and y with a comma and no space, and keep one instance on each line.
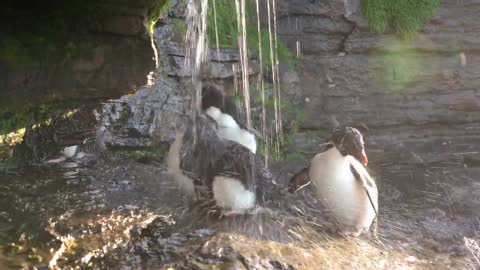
(212,97)
(349,141)
(214,113)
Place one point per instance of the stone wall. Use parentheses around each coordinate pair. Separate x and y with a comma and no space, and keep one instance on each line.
(148,118)
(73,51)
(422,97)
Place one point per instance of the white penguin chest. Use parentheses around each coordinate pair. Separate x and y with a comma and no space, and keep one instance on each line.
(339,190)
(330,173)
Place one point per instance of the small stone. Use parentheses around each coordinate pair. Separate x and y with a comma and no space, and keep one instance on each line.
(70,151)
(457,251)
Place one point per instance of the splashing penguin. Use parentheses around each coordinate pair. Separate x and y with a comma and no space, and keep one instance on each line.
(226,167)
(227,116)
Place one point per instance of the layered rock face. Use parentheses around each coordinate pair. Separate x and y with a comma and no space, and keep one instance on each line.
(72,51)
(149,117)
(421,98)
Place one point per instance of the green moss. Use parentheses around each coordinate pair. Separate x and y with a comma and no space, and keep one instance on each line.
(228,32)
(157,7)
(179,29)
(289,111)
(406,16)
(32,114)
(284,53)
(15,54)
(401,67)
(295,156)
(226,24)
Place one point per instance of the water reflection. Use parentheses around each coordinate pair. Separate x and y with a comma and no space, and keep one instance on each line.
(128,214)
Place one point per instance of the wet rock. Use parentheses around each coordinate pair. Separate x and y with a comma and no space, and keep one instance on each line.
(457,251)
(212,251)
(124,25)
(348,72)
(98,50)
(281,266)
(148,117)
(120,185)
(144,118)
(57,141)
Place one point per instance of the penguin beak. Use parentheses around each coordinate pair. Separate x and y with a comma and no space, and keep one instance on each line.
(364,158)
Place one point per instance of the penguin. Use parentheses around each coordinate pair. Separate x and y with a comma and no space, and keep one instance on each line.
(342,183)
(235,178)
(228,129)
(228,117)
(215,153)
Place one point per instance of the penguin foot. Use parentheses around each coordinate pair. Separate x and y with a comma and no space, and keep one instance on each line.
(212,212)
(233,212)
(348,233)
(260,210)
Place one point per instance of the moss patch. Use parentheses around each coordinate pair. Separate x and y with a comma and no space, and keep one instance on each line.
(32,114)
(179,29)
(156,8)
(406,16)
(289,112)
(228,32)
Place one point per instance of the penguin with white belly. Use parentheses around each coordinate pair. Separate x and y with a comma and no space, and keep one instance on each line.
(235,178)
(342,183)
(217,154)
(212,103)
(228,117)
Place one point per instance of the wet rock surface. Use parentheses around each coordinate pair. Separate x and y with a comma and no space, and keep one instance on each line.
(72,53)
(117,211)
(123,214)
(413,93)
(144,119)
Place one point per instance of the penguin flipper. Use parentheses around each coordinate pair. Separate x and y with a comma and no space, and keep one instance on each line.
(366,182)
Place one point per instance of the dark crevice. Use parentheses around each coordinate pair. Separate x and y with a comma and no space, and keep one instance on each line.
(353,24)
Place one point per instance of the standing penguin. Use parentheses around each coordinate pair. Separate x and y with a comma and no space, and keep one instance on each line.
(235,178)
(227,166)
(342,183)
(224,125)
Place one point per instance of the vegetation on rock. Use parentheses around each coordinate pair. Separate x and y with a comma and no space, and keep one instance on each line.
(156,8)
(228,31)
(406,16)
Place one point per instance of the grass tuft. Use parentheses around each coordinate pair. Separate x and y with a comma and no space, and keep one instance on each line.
(228,32)
(406,16)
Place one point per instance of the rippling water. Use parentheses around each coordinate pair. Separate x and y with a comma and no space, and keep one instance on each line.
(127,214)
(28,203)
